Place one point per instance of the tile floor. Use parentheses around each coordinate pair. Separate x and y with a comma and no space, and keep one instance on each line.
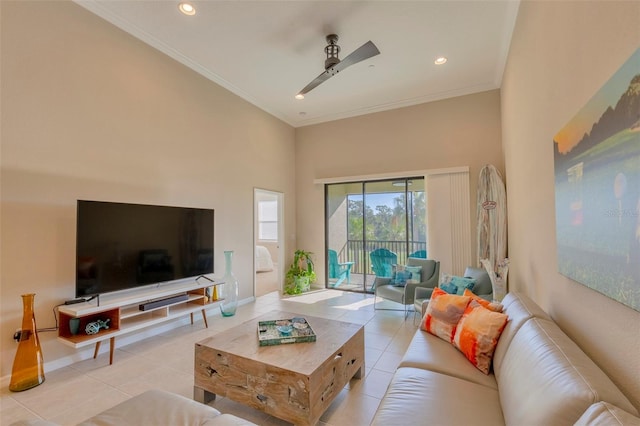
(74,393)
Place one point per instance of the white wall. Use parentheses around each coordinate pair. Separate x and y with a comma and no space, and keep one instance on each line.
(462,131)
(561,54)
(89,112)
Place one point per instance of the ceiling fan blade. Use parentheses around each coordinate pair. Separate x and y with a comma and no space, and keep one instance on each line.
(315,83)
(363,52)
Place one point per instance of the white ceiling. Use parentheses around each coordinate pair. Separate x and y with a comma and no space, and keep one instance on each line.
(267,51)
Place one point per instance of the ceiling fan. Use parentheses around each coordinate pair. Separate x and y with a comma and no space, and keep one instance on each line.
(333,65)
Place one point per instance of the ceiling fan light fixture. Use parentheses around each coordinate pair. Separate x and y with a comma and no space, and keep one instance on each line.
(186,8)
(440,60)
(299,96)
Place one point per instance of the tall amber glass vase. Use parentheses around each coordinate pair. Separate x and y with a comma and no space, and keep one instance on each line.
(28,365)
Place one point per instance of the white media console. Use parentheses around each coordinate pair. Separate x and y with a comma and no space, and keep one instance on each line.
(132,310)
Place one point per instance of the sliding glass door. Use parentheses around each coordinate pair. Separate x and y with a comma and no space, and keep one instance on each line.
(371,225)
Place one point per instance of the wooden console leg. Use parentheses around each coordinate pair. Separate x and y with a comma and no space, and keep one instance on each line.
(204,317)
(203,396)
(112,346)
(191,318)
(95,352)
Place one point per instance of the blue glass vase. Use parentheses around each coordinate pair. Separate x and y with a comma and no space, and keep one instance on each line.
(228,290)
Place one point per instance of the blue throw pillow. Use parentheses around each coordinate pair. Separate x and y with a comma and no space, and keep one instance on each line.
(416,274)
(401,278)
(457,285)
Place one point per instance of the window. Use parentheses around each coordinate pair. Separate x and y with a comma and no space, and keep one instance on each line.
(268,220)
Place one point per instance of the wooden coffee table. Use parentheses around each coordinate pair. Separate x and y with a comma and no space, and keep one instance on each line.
(295,382)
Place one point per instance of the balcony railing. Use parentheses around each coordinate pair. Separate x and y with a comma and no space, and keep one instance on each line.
(358,252)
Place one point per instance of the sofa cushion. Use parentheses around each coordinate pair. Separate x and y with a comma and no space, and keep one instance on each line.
(391,292)
(547,379)
(520,309)
(156,407)
(605,414)
(443,313)
(429,352)
(417,396)
(477,334)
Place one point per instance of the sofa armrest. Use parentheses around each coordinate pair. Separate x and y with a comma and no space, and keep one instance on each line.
(156,407)
(409,293)
(423,293)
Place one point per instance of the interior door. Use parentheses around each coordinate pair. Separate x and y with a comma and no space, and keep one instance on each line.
(268,239)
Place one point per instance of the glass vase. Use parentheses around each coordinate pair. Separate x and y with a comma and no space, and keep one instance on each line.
(28,365)
(229,290)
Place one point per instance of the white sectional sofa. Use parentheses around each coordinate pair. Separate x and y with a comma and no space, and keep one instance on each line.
(539,377)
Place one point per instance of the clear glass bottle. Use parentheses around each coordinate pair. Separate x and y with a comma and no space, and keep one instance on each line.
(28,365)
(228,290)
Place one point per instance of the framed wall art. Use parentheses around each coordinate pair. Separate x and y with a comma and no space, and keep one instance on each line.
(597,189)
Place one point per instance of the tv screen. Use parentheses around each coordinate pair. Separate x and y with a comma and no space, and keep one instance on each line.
(121,246)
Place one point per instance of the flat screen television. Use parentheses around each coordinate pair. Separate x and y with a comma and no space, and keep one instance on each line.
(121,246)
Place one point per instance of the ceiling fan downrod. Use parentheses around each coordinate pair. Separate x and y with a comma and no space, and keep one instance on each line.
(332,50)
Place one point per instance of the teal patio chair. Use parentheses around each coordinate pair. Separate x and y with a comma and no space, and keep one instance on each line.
(339,271)
(420,254)
(382,261)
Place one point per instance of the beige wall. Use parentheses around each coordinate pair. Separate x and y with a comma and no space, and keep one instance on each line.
(89,112)
(462,131)
(561,54)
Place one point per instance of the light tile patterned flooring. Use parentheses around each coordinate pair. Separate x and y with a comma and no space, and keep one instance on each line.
(74,393)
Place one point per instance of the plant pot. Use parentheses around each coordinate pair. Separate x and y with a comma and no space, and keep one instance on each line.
(302,283)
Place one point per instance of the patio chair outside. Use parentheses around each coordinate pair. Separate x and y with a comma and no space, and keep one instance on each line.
(382,261)
(337,270)
(420,254)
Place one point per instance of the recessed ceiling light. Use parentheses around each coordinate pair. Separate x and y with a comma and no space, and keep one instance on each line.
(299,96)
(440,60)
(187,8)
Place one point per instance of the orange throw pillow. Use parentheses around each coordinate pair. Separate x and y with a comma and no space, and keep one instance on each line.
(494,306)
(477,334)
(443,313)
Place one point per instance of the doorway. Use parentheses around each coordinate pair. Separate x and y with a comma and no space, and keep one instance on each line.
(371,225)
(268,232)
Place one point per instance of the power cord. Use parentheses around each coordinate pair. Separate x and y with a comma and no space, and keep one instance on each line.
(18,334)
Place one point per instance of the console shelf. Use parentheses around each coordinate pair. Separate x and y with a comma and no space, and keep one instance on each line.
(124,314)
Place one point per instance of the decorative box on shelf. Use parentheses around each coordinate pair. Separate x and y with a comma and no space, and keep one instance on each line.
(282,331)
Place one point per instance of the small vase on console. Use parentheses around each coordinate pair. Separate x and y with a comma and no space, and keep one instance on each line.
(228,290)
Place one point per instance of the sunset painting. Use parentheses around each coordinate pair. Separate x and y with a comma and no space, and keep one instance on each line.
(597,186)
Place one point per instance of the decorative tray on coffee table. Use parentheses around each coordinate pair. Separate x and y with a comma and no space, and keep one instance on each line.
(278,332)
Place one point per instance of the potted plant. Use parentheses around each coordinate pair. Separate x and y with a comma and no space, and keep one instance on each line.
(300,274)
